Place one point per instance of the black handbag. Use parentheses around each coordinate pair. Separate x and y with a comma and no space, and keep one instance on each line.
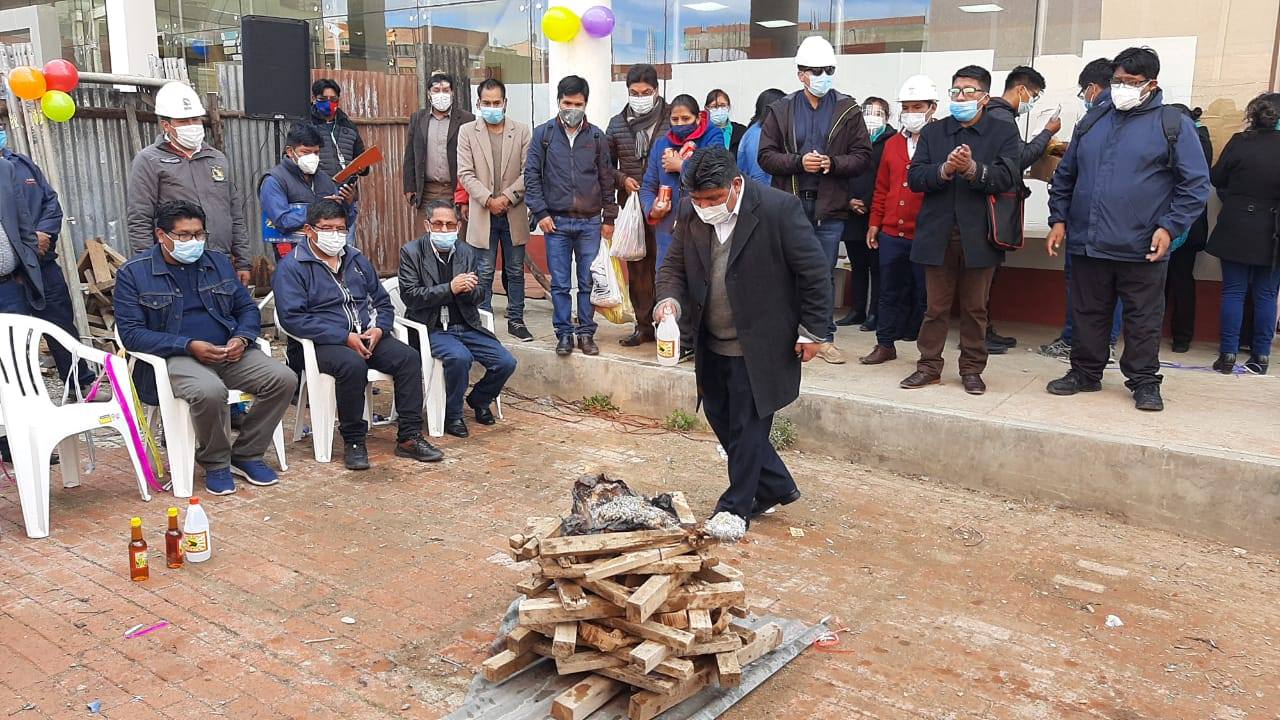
(1005,216)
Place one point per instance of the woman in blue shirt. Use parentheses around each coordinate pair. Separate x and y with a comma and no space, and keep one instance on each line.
(749,146)
(690,130)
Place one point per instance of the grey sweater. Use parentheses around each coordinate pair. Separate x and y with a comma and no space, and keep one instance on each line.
(722,334)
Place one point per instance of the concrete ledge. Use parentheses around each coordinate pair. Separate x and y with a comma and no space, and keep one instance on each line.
(1232,497)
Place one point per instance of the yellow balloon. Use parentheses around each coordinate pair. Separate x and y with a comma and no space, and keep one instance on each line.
(560,24)
(57,106)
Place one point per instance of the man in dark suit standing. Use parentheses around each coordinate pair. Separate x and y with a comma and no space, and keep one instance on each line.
(755,318)
(431,149)
(959,163)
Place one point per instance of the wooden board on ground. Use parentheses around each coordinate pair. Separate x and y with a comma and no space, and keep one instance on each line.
(649,596)
(684,513)
(585,697)
(604,543)
(505,664)
(521,640)
(565,641)
(678,639)
(717,644)
(708,595)
(588,661)
(646,656)
(632,560)
(604,639)
(534,611)
(571,595)
(700,624)
(631,676)
(728,671)
(649,704)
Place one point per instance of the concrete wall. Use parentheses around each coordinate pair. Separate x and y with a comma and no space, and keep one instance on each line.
(1230,497)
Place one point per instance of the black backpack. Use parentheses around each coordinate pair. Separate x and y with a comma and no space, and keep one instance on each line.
(1170,120)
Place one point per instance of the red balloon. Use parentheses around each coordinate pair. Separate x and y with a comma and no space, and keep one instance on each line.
(61,75)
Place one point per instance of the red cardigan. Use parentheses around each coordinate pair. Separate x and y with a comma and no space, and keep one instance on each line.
(894,206)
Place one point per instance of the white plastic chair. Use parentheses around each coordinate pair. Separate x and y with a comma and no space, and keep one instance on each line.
(433,392)
(175,416)
(317,392)
(35,425)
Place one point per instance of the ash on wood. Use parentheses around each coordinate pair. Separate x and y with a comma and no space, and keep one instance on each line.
(630,592)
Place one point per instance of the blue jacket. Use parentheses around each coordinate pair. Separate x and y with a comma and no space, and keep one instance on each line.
(148,307)
(749,156)
(285,207)
(1114,188)
(705,135)
(22,235)
(574,181)
(314,303)
(42,205)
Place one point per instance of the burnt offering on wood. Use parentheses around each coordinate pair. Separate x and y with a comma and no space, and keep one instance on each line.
(629,592)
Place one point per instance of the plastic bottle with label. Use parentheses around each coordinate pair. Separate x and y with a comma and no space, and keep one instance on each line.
(173,541)
(197,542)
(668,337)
(138,570)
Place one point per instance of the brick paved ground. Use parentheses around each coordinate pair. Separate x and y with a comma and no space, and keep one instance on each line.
(958,605)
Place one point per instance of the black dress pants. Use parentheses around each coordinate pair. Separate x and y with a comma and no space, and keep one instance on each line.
(1096,284)
(864,265)
(350,373)
(755,470)
(1180,293)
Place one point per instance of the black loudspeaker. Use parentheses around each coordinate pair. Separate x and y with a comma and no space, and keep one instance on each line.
(276,56)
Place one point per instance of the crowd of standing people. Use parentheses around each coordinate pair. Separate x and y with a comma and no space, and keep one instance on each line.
(926,210)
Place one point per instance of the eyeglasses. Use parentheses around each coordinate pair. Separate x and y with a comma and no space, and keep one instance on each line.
(442,226)
(718,106)
(969,93)
(187,237)
(1129,83)
(829,70)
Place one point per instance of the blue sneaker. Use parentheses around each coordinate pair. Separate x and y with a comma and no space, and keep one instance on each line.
(218,481)
(255,472)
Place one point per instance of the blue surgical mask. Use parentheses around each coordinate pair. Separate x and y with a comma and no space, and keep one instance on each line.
(1278,126)
(1087,104)
(820,85)
(964,110)
(4,138)
(493,115)
(720,117)
(187,252)
(682,131)
(444,240)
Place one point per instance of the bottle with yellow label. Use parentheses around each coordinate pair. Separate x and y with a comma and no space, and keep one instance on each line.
(173,541)
(138,570)
(196,542)
(668,337)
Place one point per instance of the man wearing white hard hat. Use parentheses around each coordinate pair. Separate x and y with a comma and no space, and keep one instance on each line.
(812,141)
(180,166)
(893,225)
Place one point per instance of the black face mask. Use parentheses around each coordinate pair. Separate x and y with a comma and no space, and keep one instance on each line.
(683,131)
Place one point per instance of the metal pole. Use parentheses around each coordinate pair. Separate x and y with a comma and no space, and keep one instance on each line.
(114,79)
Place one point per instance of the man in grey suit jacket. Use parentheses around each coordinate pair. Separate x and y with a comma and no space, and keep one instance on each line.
(747,264)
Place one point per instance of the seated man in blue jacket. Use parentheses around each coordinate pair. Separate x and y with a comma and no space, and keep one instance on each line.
(440,275)
(328,292)
(289,188)
(184,304)
(1133,178)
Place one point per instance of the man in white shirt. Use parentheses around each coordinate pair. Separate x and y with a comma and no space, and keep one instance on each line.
(723,266)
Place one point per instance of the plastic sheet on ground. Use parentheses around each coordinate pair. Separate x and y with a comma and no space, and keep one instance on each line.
(530,693)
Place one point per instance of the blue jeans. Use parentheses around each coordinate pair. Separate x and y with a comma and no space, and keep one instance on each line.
(902,291)
(574,240)
(829,233)
(1067,331)
(457,348)
(1236,279)
(57,310)
(512,268)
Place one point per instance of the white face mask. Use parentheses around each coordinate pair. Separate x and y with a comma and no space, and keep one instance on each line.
(715,214)
(873,122)
(641,104)
(914,122)
(1125,97)
(332,242)
(442,101)
(308,163)
(190,137)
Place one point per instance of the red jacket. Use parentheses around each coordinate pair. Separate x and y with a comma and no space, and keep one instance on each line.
(894,206)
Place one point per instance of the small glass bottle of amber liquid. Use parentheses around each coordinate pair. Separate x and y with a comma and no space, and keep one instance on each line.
(173,541)
(138,570)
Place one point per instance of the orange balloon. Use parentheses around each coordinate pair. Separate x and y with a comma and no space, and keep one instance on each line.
(27,82)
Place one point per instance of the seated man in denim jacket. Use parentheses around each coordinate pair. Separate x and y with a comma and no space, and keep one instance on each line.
(179,302)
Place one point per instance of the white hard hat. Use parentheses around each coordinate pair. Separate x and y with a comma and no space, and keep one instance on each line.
(179,101)
(918,87)
(815,52)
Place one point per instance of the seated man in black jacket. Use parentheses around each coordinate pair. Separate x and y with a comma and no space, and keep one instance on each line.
(439,275)
(328,292)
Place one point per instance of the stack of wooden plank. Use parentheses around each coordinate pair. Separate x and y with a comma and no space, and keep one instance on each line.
(97,268)
(649,610)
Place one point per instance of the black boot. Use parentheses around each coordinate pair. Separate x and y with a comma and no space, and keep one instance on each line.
(853,318)
(1258,364)
(871,323)
(1225,364)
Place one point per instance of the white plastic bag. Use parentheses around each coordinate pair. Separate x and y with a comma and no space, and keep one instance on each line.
(605,292)
(628,231)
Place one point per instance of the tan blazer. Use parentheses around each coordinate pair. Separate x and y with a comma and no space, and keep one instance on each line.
(476,173)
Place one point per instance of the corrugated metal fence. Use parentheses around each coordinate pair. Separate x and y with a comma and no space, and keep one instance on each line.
(94,151)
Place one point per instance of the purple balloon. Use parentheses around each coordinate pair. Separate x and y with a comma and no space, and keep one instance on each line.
(598,21)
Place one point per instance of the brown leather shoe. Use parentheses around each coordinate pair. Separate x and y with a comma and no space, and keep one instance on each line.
(880,354)
(973,384)
(919,379)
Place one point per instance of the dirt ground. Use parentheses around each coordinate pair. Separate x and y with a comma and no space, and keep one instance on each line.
(952,604)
